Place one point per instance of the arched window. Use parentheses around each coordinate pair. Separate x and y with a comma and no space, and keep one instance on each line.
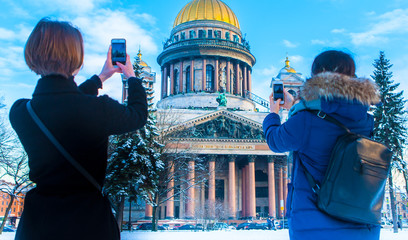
(188,87)
(209,82)
(176,81)
(291,91)
(227,35)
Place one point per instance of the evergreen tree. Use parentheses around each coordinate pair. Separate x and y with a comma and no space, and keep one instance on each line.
(389,126)
(134,159)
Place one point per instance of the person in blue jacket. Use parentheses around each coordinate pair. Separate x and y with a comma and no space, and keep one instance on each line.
(334,89)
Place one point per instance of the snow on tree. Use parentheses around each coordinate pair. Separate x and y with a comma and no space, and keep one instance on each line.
(389,125)
(13,167)
(134,159)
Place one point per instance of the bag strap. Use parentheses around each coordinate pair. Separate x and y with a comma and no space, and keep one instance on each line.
(328,118)
(312,182)
(60,148)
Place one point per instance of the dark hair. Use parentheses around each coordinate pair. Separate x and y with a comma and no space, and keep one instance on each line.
(334,61)
(54,47)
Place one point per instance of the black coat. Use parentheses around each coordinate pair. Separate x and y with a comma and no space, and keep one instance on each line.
(64,204)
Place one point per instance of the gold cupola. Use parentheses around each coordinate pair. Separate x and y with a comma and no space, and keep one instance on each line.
(212,10)
(287,67)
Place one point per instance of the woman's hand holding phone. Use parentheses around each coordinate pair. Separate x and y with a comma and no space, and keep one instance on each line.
(108,69)
(275,105)
(127,69)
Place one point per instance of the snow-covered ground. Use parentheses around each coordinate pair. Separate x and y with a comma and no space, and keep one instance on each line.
(386,234)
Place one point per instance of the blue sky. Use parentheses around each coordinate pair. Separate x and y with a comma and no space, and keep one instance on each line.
(300,28)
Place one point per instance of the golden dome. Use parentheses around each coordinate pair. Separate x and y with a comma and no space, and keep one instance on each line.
(206,10)
(287,67)
(141,62)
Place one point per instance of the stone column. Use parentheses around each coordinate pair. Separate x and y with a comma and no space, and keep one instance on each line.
(182,198)
(231,188)
(228,77)
(281,201)
(165,83)
(162,83)
(249,80)
(192,76)
(204,74)
(244,184)
(271,188)
(216,81)
(211,188)
(251,192)
(181,81)
(190,190)
(170,193)
(237,79)
(172,79)
(285,186)
(245,82)
(148,211)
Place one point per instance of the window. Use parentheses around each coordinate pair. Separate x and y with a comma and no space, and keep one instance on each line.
(176,81)
(192,34)
(217,34)
(182,36)
(293,93)
(236,38)
(201,34)
(188,72)
(176,38)
(210,34)
(227,35)
(209,82)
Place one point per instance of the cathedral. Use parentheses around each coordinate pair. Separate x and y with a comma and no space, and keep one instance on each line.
(206,85)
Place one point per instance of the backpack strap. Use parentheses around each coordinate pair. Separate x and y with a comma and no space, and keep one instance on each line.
(61,149)
(312,182)
(328,118)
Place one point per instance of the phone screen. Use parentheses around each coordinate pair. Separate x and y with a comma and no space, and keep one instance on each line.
(278,92)
(118,51)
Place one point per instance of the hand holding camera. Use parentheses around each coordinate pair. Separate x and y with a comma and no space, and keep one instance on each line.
(280,98)
(117,61)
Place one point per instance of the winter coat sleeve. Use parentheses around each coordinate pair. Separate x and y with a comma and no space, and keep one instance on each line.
(289,136)
(120,118)
(91,86)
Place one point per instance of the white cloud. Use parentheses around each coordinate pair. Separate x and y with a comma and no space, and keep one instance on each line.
(11,60)
(393,22)
(20,33)
(104,25)
(318,42)
(327,43)
(270,71)
(78,6)
(296,59)
(289,44)
(341,30)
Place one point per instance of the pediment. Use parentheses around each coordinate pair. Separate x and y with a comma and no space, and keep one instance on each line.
(219,125)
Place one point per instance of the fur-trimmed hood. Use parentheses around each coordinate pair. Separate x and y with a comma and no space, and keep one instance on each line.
(329,85)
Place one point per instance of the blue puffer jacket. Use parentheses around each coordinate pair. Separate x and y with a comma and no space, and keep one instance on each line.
(311,139)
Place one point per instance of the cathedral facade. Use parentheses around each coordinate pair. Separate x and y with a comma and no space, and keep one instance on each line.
(206,78)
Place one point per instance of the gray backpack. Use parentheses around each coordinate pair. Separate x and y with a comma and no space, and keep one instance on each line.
(354,184)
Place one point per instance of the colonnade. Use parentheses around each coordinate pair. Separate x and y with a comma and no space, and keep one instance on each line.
(242,80)
(248,190)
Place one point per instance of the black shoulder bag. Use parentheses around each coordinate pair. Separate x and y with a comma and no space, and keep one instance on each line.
(354,182)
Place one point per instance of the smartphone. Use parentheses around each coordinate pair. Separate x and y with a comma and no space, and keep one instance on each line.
(278,92)
(118,50)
